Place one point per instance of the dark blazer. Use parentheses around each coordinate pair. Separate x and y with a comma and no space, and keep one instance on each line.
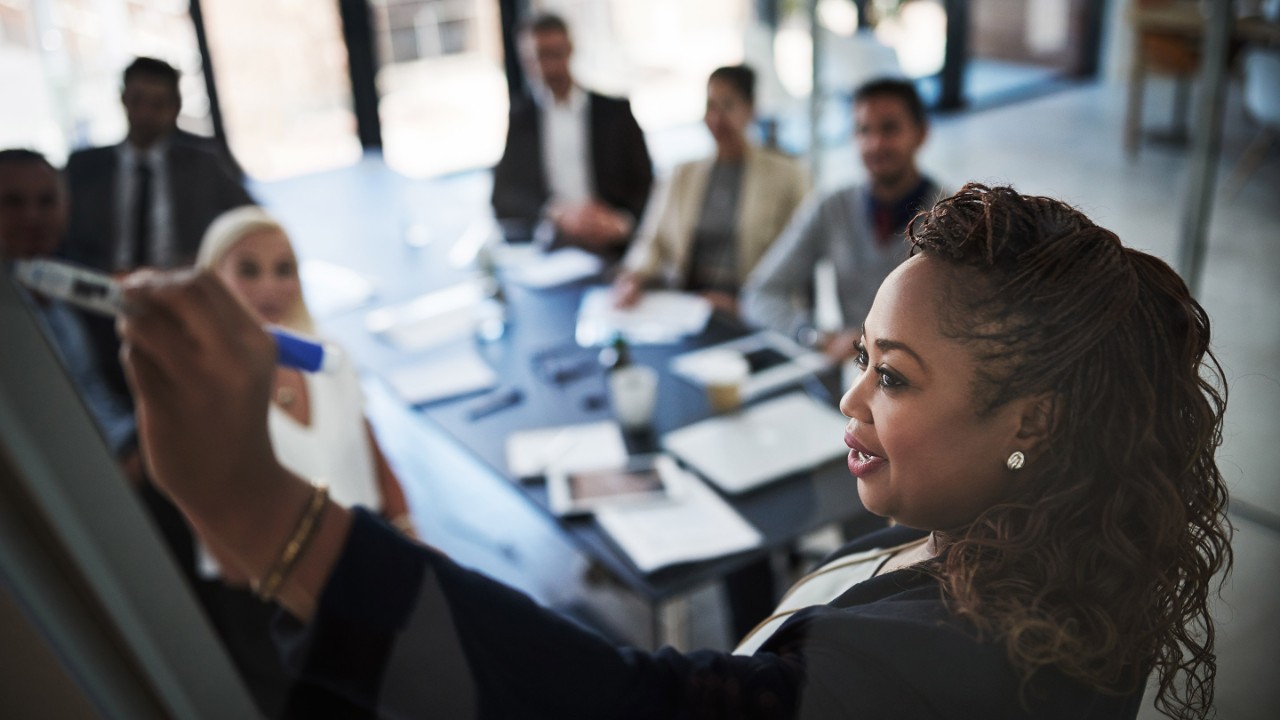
(402,630)
(201,188)
(213,145)
(622,172)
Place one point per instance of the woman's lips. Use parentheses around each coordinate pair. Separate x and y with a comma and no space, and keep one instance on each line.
(862,462)
(270,313)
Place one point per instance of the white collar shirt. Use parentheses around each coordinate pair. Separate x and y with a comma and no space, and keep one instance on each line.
(160,252)
(566,148)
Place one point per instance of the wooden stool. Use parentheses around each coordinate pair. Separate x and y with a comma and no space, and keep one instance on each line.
(1171,50)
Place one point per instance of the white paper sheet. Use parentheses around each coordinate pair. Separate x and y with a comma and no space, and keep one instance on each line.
(434,319)
(661,316)
(536,269)
(447,373)
(569,447)
(696,525)
(331,289)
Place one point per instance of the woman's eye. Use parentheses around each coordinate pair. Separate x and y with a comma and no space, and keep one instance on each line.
(861,358)
(889,380)
(248,271)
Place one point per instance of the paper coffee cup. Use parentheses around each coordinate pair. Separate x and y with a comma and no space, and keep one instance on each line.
(723,374)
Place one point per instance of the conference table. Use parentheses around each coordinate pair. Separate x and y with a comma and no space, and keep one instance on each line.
(563,384)
(560,382)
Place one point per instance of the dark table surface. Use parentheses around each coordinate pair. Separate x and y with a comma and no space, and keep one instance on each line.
(538,341)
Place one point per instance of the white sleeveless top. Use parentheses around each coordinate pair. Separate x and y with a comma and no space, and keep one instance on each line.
(334,449)
(820,587)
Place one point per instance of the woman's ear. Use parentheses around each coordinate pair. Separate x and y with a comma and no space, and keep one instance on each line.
(1038,419)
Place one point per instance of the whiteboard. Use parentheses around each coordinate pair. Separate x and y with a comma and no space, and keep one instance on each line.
(81,557)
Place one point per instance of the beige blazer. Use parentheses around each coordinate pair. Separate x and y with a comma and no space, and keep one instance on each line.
(773,186)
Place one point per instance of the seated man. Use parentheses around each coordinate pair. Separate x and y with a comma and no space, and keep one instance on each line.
(575,165)
(859,228)
(33,216)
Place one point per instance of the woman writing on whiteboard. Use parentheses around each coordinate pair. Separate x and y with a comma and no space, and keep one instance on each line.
(1037,408)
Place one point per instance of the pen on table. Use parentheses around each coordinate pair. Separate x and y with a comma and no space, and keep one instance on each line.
(100,293)
(495,401)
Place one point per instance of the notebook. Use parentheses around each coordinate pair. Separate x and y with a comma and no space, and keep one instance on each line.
(762,443)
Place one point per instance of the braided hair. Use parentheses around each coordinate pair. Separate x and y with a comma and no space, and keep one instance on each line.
(1101,564)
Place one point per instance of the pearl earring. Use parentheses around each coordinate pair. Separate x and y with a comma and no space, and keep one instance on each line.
(1015,461)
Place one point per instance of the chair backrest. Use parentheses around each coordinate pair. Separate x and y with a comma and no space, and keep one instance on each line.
(1164,52)
(1262,86)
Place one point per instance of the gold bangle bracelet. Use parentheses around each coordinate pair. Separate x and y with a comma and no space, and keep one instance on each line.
(302,534)
(403,523)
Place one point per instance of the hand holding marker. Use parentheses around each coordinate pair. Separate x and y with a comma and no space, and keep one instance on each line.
(98,292)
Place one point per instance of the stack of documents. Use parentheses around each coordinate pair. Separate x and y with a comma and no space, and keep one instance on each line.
(762,443)
(433,319)
(529,266)
(457,370)
(661,316)
(697,524)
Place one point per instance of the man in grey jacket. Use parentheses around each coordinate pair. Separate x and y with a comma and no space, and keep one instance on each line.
(859,228)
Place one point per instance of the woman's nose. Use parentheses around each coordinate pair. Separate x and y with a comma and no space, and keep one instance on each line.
(854,401)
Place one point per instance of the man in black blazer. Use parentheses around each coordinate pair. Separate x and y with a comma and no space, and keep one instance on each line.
(147,200)
(575,164)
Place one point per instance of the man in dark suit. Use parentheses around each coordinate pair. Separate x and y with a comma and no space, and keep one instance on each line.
(575,164)
(148,200)
(145,201)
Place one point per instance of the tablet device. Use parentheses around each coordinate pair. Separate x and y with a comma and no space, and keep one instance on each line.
(774,360)
(643,479)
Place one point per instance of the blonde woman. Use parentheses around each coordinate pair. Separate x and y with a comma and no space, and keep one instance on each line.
(317,428)
(316,420)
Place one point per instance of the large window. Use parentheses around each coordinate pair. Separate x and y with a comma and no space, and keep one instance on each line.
(657,52)
(442,88)
(61,62)
(1011,46)
(283,85)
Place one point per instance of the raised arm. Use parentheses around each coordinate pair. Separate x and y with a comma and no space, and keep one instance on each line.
(201,370)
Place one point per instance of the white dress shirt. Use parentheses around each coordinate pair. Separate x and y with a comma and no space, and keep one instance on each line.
(566,147)
(160,251)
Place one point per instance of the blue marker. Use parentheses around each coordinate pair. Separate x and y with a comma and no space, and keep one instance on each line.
(98,292)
